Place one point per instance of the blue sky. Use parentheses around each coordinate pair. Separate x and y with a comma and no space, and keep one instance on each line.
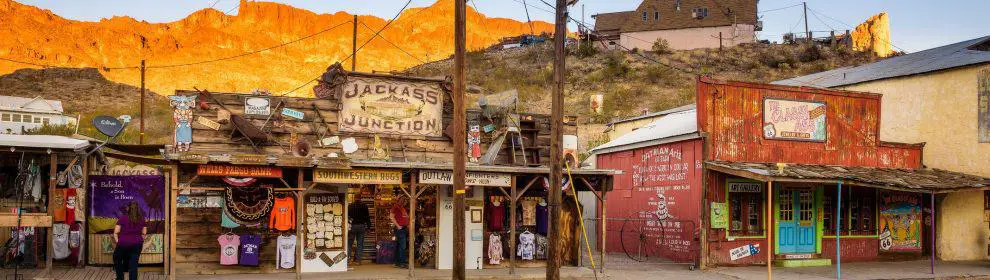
(916,24)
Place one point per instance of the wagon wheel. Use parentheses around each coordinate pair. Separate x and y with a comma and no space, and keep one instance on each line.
(640,241)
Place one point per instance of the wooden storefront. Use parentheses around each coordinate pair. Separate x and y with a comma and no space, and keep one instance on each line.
(381,135)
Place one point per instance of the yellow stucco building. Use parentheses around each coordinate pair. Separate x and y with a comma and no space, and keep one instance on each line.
(934,97)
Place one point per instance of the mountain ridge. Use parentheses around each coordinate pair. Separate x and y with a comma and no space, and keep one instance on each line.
(42,37)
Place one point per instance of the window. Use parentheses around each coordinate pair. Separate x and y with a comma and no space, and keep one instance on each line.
(858,211)
(644,17)
(699,13)
(37,119)
(15,118)
(746,209)
(656,16)
(5,117)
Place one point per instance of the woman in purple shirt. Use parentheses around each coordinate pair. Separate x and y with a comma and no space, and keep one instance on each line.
(129,235)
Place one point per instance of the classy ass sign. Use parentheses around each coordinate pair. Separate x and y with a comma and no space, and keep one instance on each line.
(793,120)
(376,105)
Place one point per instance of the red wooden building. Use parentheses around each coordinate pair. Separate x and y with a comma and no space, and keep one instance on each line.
(757,165)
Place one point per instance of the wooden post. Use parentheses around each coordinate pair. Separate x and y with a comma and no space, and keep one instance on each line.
(769,228)
(300,215)
(459,124)
(173,191)
(512,225)
(52,180)
(933,232)
(82,245)
(141,138)
(806,31)
(720,41)
(413,196)
(354,45)
(832,38)
(554,257)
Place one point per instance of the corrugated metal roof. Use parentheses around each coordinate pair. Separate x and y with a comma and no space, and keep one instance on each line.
(42,141)
(960,54)
(661,113)
(15,103)
(668,127)
(914,180)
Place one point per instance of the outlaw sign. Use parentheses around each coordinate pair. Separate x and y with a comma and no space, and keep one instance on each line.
(376,105)
(435,177)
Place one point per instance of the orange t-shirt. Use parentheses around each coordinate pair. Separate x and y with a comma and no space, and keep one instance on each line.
(58,204)
(283,215)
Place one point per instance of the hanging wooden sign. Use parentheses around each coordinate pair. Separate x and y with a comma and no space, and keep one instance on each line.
(439,177)
(239,171)
(259,106)
(357,176)
(377,105)
(249,159)
(208,123)
(293,113)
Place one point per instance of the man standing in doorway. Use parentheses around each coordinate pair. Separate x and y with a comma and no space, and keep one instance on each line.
(400,220)
(360,221)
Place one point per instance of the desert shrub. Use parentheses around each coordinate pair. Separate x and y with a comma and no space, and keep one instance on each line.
(810,53)
(661,47)
(586,49)
(615,66)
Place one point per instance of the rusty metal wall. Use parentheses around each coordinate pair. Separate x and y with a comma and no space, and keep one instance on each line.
(659,193)
(732,115)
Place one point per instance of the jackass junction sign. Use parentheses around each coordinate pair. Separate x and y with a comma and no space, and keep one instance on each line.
(377,105)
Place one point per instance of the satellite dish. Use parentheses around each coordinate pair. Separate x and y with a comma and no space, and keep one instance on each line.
(301,148)
(108,125)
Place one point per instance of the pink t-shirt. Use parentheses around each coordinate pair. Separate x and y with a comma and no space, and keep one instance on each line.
(228,248)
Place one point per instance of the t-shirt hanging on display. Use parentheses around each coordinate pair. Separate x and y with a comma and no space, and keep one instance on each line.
(527,247)
(496,216)
(228,248)
(283,215)
(528,212)
(60,241)
(286,255)
(250,246)
(225,220)
(541,218)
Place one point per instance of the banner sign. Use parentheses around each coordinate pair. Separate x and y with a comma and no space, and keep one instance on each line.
(436,177)
(900,221)
(744,251)
(376,105)
(794,120)
(720,215)
(239,171)
(745,187)
(357,176)
(110,196)
(257,106)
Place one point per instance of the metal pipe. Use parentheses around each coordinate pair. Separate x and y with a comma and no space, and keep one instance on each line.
(838,242)
(933,233)
(769,229)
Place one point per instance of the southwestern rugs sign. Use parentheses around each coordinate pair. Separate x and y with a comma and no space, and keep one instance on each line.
(793,120)
(373,105)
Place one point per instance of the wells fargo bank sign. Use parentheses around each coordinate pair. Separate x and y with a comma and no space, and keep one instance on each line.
(375,105)
(239,171)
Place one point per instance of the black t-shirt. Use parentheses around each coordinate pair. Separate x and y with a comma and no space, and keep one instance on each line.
(358,213)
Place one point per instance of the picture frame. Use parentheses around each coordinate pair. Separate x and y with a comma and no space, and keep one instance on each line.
(476,215)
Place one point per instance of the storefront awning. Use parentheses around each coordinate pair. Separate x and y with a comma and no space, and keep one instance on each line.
(913,180)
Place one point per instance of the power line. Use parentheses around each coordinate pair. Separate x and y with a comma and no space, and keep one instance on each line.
(528,20)
(393,44)
(387,24)
(483,25)
(778,9)
(27,63)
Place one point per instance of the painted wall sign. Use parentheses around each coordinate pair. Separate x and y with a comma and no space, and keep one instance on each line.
(720,215)
(900,215)
(239,171)
(745,187)
(208,123)
(295,114)
(984,105)
(357,176)
(124,170)
(437,177)
(108,125)
(793,120)
(744,251)
(182,115)
(110,195)
(260,106)
(375,105)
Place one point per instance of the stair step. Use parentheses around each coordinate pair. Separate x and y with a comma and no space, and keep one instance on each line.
(802,262)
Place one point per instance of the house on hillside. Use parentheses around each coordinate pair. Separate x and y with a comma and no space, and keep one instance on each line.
(685,24)
(18,114)
(940,97)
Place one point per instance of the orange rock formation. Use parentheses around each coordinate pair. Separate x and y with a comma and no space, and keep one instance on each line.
(40,36)
(873,35)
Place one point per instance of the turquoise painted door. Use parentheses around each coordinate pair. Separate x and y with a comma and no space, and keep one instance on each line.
(796,220)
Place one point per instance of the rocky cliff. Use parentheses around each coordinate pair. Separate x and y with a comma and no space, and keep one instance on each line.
(873,35)
(42,37)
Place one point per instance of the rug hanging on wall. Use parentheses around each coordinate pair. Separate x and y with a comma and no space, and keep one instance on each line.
(248,205)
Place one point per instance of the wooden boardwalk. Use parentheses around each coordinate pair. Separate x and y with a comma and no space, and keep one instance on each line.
(86,273)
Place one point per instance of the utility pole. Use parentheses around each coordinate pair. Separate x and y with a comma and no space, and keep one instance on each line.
(354,46)
(720,41)
(806,31)
(556,139)
(141,137)
(459,127)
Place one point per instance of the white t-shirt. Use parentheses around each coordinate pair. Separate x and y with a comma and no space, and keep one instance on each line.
(60,241)
(287,251)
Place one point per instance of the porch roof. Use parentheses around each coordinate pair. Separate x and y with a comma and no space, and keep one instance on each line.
(912,180)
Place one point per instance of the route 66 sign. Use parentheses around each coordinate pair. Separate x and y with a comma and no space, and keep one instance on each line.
(886,241)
